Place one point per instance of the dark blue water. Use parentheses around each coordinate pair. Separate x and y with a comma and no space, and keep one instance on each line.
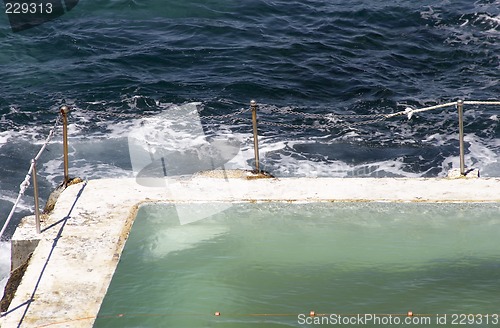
(116,62)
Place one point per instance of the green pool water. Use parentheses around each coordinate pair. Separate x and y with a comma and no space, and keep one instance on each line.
(270,264)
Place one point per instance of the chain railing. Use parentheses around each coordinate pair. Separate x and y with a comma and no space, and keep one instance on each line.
(333,121)
(32,172)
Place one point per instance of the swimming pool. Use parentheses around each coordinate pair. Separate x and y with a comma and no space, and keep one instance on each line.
(265,264)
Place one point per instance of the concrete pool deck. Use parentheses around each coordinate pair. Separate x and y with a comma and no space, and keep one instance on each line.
(75,256)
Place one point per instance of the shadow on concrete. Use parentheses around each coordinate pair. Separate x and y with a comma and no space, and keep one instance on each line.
(54,244)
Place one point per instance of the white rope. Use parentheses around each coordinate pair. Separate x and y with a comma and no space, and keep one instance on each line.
(475,102)
(378,117)
(25,184)
(433,107)
(410,111)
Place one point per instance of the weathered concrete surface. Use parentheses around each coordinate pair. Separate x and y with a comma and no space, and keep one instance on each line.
(469,174)
(21,250)
(82,239)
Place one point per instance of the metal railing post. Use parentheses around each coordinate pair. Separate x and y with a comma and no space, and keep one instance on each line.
(35,189)
(460,107)
(253,105)
(64,113)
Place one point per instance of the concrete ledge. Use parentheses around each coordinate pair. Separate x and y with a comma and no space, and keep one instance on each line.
(22,249)
(82,240)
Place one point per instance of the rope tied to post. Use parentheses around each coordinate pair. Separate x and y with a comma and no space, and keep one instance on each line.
(26,182)
(340,120)
(374,118)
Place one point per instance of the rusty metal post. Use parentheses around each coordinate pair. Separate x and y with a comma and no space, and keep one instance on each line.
(35,189)
(253,105)
(460,107)
(64,113)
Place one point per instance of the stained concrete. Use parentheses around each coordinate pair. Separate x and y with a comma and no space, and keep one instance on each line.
(82,239)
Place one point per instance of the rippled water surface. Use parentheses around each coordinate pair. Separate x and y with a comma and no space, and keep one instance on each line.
(117,63)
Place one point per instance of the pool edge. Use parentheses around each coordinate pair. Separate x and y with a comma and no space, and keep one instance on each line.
(82,240)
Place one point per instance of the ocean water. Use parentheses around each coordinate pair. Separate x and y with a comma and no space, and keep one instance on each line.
(120,62)
(332,258)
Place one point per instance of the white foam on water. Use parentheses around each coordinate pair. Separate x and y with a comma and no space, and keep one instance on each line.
(478,26)
(31,134)
(293,167)
(294,164)
(482,154)
(158,132)
(482,28)
(492,21)
(478,155)
(4,137)
(178,129)
(479,152)
(53,170)
(25,204)
(430,14)
(437,139)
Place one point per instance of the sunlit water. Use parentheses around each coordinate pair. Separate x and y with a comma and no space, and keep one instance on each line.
(288,259)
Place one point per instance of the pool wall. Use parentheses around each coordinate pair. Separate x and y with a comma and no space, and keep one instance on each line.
(74,258)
